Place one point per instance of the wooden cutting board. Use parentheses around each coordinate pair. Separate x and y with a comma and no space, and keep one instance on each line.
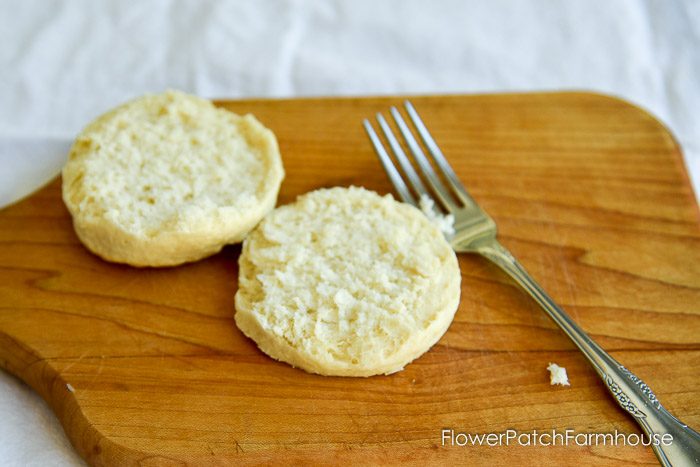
(146,366)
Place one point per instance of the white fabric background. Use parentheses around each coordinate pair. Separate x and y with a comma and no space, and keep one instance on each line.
(64,62)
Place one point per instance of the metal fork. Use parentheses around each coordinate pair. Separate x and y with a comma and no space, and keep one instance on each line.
(475,232)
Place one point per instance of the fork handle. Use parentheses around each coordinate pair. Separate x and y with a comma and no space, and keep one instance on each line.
(630,392)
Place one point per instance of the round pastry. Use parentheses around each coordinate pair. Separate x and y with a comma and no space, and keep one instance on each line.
(346,282)
(169,178)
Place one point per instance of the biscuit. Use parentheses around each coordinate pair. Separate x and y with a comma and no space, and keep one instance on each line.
(169,178)
(346,282)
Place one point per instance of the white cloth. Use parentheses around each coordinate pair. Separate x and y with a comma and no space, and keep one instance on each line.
(64,62)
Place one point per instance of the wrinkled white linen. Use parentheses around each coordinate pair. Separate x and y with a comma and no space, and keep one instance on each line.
(64,62)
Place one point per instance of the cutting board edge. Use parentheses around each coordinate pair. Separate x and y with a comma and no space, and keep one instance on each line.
(46,381)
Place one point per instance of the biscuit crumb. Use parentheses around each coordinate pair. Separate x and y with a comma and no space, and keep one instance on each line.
(557,375)
(444,222)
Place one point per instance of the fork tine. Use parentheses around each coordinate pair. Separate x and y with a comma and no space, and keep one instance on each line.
(401,157)
(389,168)
(433,180)
(438,157)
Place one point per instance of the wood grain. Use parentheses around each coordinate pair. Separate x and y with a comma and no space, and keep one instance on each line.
(588,191)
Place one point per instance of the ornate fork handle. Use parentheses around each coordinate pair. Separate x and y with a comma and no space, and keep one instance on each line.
(633,395)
